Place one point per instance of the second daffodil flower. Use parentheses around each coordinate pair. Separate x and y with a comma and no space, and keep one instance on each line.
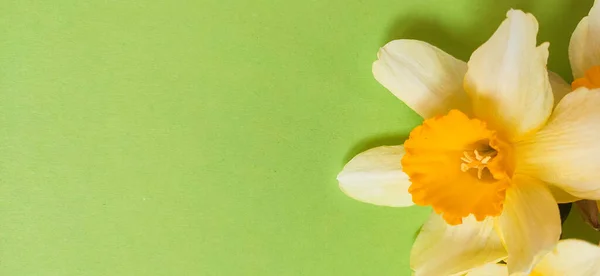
(489,156)
(570,257)
(584,54)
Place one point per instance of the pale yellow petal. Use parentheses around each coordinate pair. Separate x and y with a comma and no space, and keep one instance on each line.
(375,176)
(530,223)
(424,77)
(572,258)
(578,49)
(490,270)
(584,47)
(560,87)
(442,249)
(560,195)
(507,78)
(566,152)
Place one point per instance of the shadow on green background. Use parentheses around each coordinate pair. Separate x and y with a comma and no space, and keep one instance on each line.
(204,138)
(380,140)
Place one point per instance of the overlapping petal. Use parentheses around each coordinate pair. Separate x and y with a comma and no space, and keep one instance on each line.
(560,195)
(560,87)
(571,257)
(566,151)
(441,249)
(507,78)
(530,224)
(424,77)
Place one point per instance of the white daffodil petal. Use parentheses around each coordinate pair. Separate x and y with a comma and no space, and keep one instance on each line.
(560,87)
(571,257)
(489,270)
(584,47)
(566,151)
(424,77)
(529,224)
(442,249)
(507,78)
(375,176)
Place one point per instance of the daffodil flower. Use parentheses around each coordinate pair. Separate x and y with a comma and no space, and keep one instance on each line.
(584,54)
(570,257)
(491,155)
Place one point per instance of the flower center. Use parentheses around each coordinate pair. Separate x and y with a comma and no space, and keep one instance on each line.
(458,166)
(591,79)
(478,162)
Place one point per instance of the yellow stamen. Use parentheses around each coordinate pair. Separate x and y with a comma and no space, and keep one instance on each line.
(591,79)
(457,166)
(479,162)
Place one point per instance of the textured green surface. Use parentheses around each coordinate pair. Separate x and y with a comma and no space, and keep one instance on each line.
(203,137)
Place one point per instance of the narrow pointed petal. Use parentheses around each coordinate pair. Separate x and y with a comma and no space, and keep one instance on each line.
(507,78)
(375,176)
(442,249)
(424,77)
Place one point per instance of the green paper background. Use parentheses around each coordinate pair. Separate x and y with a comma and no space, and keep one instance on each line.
(204,137)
